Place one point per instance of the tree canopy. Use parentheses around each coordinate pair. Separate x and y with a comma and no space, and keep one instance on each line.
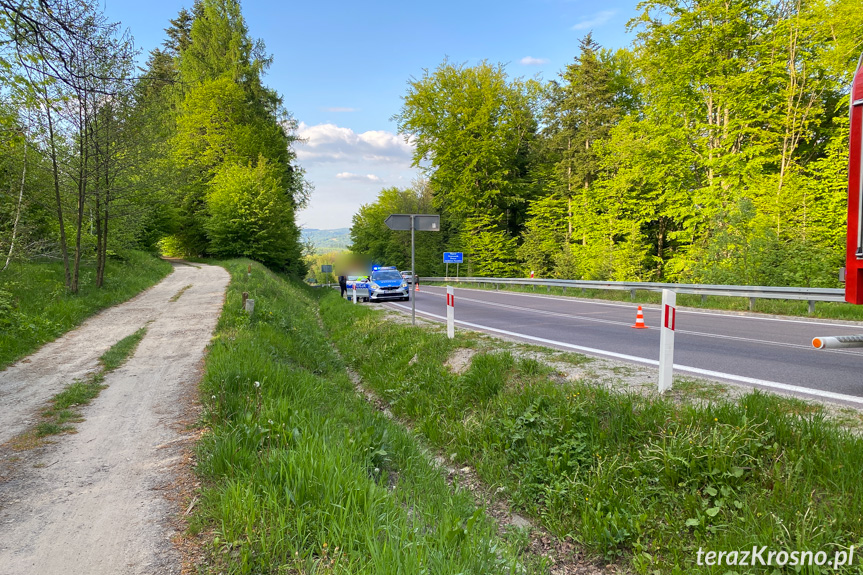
(713,149)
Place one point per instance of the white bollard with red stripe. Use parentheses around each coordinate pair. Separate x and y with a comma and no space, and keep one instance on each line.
(666,340)
(450,312)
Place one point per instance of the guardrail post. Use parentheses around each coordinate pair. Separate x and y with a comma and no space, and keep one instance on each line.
(666,340)
(632,294)
(811,306)
(533,287)
(704,298)
(547,289)
(751,304)
(564,290)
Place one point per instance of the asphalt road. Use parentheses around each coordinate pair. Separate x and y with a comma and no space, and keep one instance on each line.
(767,352)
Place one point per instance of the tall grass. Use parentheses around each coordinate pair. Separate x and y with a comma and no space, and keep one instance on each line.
(35,307)
(644,481)
(301,474)
(824,310)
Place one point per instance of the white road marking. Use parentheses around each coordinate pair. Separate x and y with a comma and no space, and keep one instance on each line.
(687,332)
(655,307)
(653,362)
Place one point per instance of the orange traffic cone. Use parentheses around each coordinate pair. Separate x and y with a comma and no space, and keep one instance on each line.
(417,286)
(639,320)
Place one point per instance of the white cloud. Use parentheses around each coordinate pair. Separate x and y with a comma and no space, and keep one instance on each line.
(338,109)
(596,20)
(348,169)
(358,177)
(530,61)
(331,143)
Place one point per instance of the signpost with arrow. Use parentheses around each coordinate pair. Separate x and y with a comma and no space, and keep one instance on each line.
(419,223)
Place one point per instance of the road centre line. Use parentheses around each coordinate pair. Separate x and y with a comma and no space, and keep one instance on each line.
(680,331)
(653,362)
(656,307)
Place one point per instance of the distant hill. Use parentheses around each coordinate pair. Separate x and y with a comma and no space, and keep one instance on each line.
(336,240)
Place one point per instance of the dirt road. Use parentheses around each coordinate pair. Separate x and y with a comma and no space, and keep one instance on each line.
(91,503)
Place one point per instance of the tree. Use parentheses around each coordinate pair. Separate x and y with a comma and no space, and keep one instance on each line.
(371,237)
(474,127)
(249,216)
(225,116)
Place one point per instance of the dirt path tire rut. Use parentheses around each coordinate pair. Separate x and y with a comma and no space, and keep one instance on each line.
(91,503)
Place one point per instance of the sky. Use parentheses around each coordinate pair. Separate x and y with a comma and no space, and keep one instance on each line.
(343,68)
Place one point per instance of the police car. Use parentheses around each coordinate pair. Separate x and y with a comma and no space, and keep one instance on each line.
(386,283)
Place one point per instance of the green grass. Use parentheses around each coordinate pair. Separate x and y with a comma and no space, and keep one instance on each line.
(179,294)
(301,474)
(824,310)
(121,351)
(640,480)
(35,307)
(65,406)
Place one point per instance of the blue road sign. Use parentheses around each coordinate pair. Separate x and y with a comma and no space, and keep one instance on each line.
(453,258)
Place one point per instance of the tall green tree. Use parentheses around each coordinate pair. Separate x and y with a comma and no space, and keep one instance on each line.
(474,126)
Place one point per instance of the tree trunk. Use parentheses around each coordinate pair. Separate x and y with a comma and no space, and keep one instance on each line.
(18,209)
(83,151)
(55,170)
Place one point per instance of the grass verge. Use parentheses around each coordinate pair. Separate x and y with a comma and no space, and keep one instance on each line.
(302,475)
(645,481)
(823,310)
(35,307)
(65,406)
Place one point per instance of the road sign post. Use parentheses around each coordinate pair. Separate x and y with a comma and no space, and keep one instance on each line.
(453,258)
(666,340)
(413,222)
(450,312)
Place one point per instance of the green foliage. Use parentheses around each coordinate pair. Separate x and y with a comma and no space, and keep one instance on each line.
(300,473)
(370,235)
(249,215)
(638,480)
(36,307)
(474,127)
(228,118)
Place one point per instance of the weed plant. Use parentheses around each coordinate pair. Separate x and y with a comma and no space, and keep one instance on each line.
(301,474)
(640,480)
(35,307)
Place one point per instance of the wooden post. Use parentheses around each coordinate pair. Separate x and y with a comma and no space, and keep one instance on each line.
(245,297)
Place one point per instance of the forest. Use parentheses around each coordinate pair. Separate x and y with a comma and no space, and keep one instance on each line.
(189,154)
(713,149)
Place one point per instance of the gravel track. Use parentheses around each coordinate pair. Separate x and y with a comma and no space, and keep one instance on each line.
(92,503)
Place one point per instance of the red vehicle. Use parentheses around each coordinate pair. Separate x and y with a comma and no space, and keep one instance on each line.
(854,257)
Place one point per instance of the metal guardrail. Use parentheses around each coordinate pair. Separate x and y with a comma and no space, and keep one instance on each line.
(811,295)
